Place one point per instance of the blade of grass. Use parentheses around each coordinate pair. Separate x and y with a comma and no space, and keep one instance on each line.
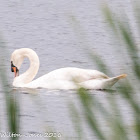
(11,106)
(76,121)
(86,101)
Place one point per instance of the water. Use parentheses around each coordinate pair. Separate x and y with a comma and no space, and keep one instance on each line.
(48,28)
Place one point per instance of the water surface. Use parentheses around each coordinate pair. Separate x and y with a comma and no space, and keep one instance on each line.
(48,28)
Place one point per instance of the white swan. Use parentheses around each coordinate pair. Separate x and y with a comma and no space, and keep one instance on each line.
(64,78)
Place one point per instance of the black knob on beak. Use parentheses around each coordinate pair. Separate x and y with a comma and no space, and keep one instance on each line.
(13,66)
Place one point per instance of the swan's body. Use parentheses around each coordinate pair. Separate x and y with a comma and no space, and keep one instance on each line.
(64,78)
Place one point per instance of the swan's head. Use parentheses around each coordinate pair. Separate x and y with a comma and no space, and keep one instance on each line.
(16,61)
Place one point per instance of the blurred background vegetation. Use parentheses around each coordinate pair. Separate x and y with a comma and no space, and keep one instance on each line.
(118,129)
(128,90)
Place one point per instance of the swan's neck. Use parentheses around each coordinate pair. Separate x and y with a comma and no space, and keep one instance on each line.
(29,75)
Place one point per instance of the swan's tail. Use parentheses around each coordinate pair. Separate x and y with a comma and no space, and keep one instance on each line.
(111,81)
(121,76)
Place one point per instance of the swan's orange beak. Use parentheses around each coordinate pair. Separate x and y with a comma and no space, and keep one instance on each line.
(15,71)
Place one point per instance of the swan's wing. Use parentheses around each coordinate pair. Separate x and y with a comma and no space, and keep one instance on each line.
(75,74)
(66,76)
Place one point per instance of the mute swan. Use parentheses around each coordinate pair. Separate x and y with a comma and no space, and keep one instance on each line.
(63,78)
